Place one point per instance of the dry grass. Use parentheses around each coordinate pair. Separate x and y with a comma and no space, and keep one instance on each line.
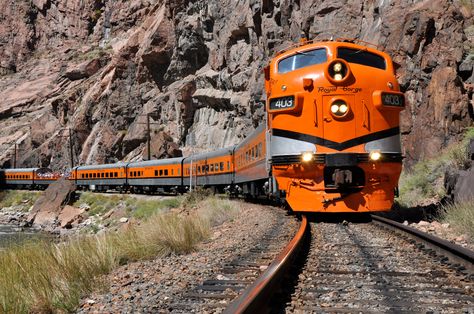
(216,211)
(460,217)
(45,277)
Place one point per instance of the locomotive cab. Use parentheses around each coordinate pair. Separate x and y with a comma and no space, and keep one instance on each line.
(333,113)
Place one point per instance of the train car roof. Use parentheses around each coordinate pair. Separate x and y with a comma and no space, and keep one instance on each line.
(156,162)
(216,153)
(19,170)
(101,167)
(259,129)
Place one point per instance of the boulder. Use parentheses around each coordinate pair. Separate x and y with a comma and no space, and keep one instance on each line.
(48,207)
(70,215)
(463,191)
(83,70)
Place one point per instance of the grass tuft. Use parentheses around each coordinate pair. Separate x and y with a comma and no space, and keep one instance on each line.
(460,216)
(216,210)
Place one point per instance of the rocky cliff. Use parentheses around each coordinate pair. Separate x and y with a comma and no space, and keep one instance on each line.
(94,71)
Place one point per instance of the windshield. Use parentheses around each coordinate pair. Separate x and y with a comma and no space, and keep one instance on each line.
(361,57)
(302,59)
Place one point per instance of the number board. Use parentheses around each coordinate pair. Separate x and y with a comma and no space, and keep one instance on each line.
(396,100)
(287,102)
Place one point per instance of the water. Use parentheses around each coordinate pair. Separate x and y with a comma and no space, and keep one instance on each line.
(10,234)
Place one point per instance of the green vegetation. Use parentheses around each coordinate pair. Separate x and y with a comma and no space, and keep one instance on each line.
(139,208)
(99,204)
(144,208)
(460,217)
(95,53)
(426,180)
(197,195)
(23,199)
(46,277)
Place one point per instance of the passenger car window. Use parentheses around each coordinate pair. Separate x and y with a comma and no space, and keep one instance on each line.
(302,59)
(362,57)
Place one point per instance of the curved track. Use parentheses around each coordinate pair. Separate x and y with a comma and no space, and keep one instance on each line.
(374,267)
(256,295)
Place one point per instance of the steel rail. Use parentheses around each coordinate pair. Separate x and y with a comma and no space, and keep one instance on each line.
(457,253)
(255,297)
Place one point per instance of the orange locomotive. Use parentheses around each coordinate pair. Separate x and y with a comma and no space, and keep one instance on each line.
(333,118)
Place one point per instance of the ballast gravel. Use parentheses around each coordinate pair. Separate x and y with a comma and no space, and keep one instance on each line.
(155,286)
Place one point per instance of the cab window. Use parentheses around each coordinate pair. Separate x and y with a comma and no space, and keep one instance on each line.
(362,57)
(302,59)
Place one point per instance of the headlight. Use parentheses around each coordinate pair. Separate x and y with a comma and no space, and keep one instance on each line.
(339,108)
(375,155)
(337,68)
(307,156)
(338,71)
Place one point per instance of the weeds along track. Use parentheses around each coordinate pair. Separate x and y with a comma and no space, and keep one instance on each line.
(367,267)
(215,293)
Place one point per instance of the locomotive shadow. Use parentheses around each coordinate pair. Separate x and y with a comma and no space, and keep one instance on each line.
(339,217)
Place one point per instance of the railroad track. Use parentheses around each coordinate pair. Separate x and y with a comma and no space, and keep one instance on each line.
(374,267)
(214,293)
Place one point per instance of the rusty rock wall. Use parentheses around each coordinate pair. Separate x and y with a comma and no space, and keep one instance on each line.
(94,70)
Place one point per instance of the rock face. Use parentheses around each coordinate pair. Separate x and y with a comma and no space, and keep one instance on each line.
(91,71)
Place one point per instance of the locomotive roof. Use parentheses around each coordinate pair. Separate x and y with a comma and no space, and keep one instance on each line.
(156,162)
